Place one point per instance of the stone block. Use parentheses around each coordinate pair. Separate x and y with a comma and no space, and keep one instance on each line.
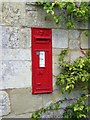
(55,87)
(16,74)
(0,54)
(52,97)
(75,54)
(0,74)
(59,38)
(32,7)
(16,38)
(74,44)
(56,69)
(84,41)
(21,116)
(22,101)
(0,37)
(0,13)
(47,115)
(66,103)
(13,13)
(37,17)
(58,113)
(56,52)
(74,34)
(4,103)
(58,96)
(81,25)
(16,54)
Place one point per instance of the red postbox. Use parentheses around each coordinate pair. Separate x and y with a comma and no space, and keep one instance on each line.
(41,60)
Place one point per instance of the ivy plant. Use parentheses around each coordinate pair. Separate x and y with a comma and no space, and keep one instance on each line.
(67,11)
(75,75)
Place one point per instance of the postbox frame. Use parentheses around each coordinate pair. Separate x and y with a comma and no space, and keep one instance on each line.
(45,40)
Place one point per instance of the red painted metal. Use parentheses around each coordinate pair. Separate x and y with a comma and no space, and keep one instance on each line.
(41,60)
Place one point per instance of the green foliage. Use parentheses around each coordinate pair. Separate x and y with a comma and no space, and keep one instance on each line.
(68,11)
(75,75)
(78,110)
(36,115)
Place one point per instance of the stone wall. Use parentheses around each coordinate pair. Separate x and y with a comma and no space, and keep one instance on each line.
(16,20)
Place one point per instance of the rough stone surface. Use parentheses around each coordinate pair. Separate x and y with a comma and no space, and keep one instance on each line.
(48,115)
(74,34)
(59,38)
(56,69)
(0,73)
(23,101)
(0,13)
(53,97)
(0,37)
(57,96)
(16,54)
(84,41)
(74,44)
(0,54)
(58,113)
(15,38)
(4,103)
(12,115)
(39,18)
(16,74)
(75,54)
(13,13)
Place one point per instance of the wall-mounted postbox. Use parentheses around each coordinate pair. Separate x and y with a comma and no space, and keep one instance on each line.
(41,60)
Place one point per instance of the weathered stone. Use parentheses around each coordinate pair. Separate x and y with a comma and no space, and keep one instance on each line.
(47,115)
(58,113)
(16,54)
(56,52)
(81,25)
(66,103)
(0,13)
(32,7)
(74,34)
(56,69)
(13,13)
(16,74)
(58,96)
(55,87)
(84,41)
(0,37)
(23,101)
(38,18)
(74,44)
(52,97)
(4,103)
(59,38)
(75,54)
(0,54)
(0,74)
(13,116)
(13,38)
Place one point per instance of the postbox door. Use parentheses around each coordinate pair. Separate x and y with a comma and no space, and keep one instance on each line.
(41,66)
